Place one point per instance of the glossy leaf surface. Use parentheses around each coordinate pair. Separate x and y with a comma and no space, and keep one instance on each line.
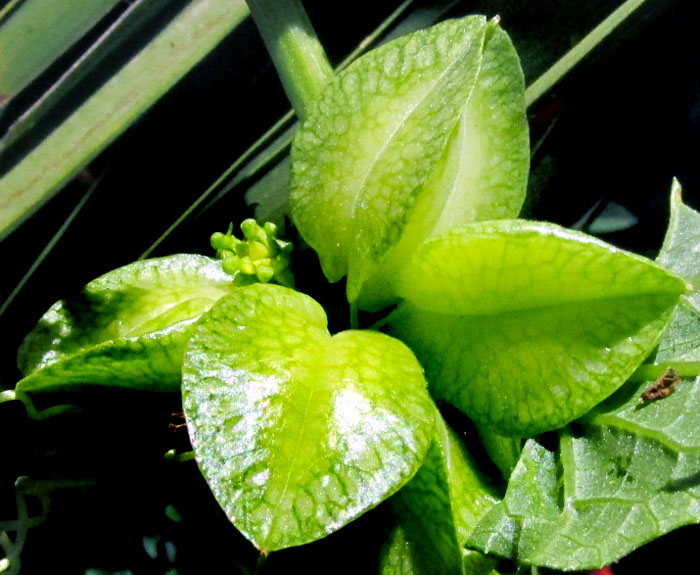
(297,432)
(525,326)
(631,476)
(126,328)
(434,119)
(436,512)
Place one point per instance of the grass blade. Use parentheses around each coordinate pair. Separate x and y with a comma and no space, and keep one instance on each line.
(36,32)
(40,174)
(49,246)
(120,32)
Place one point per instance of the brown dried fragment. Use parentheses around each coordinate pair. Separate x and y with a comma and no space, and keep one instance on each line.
(662,387)
(178,417)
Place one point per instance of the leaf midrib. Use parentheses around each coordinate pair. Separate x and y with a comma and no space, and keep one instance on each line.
(438,82)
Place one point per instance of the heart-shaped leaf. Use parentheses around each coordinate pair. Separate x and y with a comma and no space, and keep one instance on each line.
(525,326)
(629,477)
(423,132)
(126,328)
(297,432)
(437,511)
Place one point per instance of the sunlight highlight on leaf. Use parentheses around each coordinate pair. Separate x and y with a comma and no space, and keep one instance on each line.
(127,328)
(525,326)
(296,432)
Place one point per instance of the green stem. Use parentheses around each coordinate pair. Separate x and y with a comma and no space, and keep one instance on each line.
(9,7)
(172,455)
(247,166)
(354,317)
(290,39)
(650,372)
(262,559)
(32,411)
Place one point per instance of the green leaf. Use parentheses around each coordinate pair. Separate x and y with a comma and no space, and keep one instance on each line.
(483,173)
(503,450)
(126,328)
(681,339)
(679,254)
(297,432)
(195,31)
(417,122)
(437,511)
(631,476)
(37,32)
(525,326)
(682,243)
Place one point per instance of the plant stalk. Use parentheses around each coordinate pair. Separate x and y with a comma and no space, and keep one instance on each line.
(298,55)
(650,372)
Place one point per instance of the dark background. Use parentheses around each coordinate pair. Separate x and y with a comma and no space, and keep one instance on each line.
(616,129)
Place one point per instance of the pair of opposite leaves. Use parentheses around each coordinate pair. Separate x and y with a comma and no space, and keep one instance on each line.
(524,326)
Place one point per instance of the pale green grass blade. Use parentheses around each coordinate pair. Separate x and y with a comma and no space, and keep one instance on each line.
(119,33)
(37,32)
(189,37)
(7,8)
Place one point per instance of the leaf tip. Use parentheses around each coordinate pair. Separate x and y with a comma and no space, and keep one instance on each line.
(676,191)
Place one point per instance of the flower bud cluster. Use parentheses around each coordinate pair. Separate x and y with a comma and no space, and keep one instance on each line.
(260,256)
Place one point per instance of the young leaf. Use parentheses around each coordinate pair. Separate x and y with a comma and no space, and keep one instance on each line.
(430,126)
(437,511)
(297,432)
(126,328)
(629,478)
(483,173)
(525,326)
